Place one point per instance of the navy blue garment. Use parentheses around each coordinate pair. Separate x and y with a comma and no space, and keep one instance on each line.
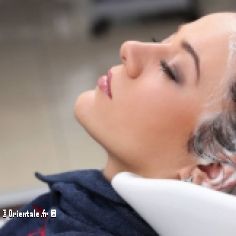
(85,204)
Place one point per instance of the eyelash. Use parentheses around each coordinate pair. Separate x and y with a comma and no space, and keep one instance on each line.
(153,39)
(168,71)
(165,67)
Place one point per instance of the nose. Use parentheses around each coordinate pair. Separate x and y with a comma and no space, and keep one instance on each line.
(135,55)
(128,54)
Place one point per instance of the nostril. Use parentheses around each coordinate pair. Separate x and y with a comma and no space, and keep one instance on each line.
(123,58)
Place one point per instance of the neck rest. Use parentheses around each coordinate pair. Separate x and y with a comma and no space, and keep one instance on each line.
(177,208)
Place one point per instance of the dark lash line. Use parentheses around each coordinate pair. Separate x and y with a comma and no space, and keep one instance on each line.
(168,70)
(153,39)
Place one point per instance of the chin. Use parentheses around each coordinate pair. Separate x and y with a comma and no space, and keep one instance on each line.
(83,106)
(85,113)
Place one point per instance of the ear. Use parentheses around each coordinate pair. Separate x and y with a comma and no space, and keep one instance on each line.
(214,175)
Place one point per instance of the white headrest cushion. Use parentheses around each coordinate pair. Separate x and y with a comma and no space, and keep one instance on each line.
(177,208)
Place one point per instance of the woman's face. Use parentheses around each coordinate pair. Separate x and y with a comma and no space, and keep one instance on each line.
(159,93)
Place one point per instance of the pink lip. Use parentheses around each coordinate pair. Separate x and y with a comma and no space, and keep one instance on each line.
(104,83)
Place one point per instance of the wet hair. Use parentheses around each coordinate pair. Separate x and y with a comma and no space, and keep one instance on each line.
(214,140)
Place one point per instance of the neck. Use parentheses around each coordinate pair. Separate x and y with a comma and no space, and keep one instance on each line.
(149,169)
(113,166)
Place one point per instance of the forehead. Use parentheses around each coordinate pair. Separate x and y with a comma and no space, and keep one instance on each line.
(211,35)
(211,29)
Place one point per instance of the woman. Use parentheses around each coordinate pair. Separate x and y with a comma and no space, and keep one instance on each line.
(167,111)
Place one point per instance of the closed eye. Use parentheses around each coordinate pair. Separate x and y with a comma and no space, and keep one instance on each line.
(169,71)
(172,73)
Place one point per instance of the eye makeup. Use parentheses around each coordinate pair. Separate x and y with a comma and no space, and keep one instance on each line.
(171,71)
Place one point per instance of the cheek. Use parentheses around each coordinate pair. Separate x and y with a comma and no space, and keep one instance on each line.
(154,115)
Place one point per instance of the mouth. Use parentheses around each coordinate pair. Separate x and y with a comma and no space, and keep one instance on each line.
(104,83)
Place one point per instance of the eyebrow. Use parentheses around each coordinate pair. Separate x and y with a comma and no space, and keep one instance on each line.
(189,49)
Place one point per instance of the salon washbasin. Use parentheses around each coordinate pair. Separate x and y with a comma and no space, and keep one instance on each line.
(177,208)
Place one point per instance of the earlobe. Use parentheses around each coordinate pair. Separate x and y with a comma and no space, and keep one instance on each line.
(194,173)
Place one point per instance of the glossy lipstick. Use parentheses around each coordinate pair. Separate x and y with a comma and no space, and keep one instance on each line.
(104,83)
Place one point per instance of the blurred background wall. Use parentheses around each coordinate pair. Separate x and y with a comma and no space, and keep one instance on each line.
(51,51)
